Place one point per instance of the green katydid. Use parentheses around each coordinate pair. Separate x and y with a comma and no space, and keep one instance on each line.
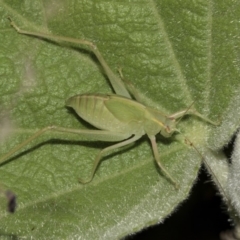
(119,117)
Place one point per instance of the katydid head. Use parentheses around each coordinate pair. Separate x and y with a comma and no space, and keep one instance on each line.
(170,122)
(160,123)
(169,127)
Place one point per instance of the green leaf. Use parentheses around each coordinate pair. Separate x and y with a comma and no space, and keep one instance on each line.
(174,52)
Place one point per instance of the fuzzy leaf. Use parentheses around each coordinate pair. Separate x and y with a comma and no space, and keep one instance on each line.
(174,52)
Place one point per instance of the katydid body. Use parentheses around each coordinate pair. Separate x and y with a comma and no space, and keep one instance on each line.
(119,117)
(123,117)
(119,114)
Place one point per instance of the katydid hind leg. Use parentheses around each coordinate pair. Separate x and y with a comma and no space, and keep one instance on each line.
(157,158)
(89,134)
(100,155)
(115,81)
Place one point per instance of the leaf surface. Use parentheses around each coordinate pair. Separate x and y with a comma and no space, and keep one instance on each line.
(173,52)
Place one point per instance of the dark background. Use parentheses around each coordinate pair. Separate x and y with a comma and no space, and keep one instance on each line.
(202,216)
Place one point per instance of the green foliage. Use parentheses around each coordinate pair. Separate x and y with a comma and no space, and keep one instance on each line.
(174,52)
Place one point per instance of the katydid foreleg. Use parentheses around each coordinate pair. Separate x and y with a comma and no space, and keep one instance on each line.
(193,112)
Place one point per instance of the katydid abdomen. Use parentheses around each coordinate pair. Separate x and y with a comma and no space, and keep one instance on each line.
(110,112)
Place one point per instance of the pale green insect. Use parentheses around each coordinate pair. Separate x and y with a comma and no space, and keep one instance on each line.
(120,118)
